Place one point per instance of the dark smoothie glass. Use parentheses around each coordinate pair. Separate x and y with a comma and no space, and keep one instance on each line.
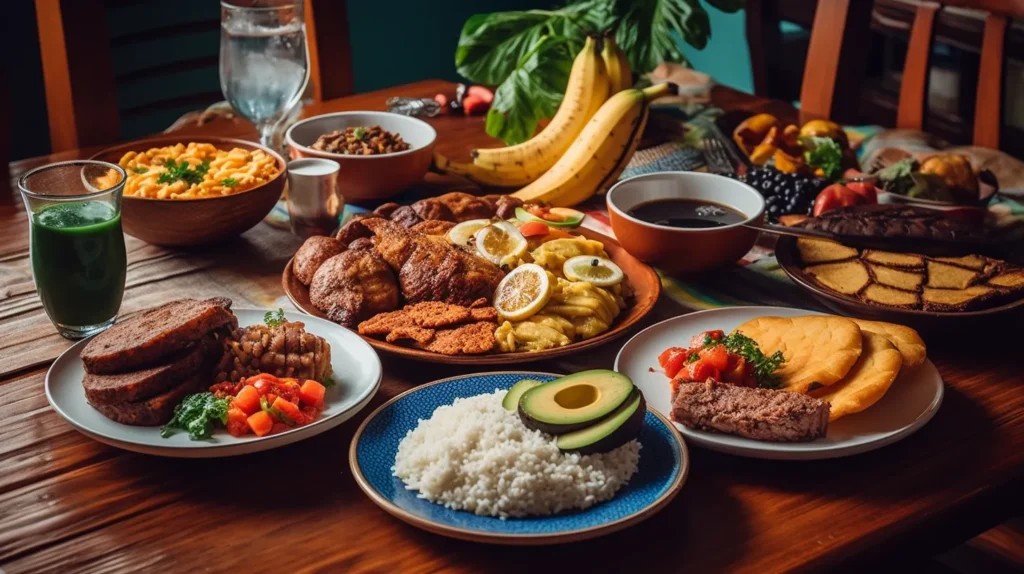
(77,246)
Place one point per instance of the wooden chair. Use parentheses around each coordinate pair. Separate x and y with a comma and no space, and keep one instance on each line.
(988,100)
(79,77)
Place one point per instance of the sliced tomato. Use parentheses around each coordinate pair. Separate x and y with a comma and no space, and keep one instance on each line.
(260,423)
(534,229)
(237,422)
(247,399)
(290,410)
(717,356)
(673,360)
(701,371)
(697,342)
(312,393)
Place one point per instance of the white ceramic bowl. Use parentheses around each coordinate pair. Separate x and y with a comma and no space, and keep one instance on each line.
(678,250)
(369,177)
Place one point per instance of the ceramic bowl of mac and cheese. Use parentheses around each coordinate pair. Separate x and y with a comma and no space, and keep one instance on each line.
(184,191)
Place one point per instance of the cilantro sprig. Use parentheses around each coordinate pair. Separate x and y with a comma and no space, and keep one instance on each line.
(744,346)
(140,169)
(183,171)
(229,182)
(274,318)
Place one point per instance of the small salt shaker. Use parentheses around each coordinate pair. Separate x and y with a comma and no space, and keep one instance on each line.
(314,202)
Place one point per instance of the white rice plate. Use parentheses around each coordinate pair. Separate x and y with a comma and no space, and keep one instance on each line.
(476,456)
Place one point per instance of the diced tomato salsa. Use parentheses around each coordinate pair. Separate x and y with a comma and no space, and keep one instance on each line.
(706,358)
(265,404)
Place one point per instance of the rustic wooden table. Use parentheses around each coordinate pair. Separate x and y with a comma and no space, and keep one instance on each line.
(68,503)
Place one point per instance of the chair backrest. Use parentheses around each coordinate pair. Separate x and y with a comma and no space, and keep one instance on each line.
(988,99)
(81,81)
(835,58)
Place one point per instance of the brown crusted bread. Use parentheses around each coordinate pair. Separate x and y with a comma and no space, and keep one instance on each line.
(153,335)
(153,411)
(759,414)
(139,385)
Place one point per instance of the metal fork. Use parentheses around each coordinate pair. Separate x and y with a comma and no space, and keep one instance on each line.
(717,157)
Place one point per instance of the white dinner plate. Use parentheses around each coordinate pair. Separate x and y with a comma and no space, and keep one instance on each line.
(911,402)
(357,372)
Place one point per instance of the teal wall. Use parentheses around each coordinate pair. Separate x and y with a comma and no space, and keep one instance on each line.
(393,42)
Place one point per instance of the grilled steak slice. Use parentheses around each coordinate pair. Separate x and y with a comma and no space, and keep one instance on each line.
(153,411)
(760,414)
(147,338)
(138,385)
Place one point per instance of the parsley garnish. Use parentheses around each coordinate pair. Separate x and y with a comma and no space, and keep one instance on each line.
(140,170)
(824,153)
(359,132)
(274,318)
(229,182)
(328,381)
(184,172)
(744,346)
(197,414)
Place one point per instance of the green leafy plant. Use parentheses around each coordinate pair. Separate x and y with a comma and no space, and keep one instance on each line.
(197,414)
(274,318)
(184,172)
(528,54)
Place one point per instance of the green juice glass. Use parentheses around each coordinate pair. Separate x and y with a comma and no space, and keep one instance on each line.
(77,246)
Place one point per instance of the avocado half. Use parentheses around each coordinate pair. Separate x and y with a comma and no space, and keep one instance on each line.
(611,432)
(574,401)
(511,400)
(573,218)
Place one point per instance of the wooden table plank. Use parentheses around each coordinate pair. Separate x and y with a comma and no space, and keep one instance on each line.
(68,503)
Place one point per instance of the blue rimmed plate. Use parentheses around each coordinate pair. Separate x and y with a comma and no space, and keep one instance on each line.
(664,464)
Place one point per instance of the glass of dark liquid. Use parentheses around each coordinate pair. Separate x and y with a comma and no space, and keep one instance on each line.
(77,246)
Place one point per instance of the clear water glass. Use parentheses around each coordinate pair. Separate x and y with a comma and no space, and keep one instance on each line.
(76,244)
(263,62)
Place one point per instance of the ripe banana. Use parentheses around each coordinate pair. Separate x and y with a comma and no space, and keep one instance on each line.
(518,165)
(620,75)
(597,157)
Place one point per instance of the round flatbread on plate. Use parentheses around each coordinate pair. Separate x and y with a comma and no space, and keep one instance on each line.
(357,373)
(910,402)
(663,467)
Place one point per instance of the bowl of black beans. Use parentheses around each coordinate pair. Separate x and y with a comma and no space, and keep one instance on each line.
(784,193)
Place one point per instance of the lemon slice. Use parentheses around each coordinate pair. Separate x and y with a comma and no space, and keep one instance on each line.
(500,242)
(597,271)
(523,292)
(462,234)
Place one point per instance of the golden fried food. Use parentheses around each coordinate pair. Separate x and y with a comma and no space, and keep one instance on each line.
(900,260)
(955,299)
(906,340)
(405,216)
(430,269)
(418,334)
(386,209)
(823,251)
(889,297)
(846,277)
(361,243)
(464,206)
(429,315)
(353,228)
(353,286)
(433,227)
(898,278)
(432,209)
(867,381)
(946,276)
(470,339)
(312,254)
(483,313)
(819,349)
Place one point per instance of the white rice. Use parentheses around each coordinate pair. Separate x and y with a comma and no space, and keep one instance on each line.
(474,455)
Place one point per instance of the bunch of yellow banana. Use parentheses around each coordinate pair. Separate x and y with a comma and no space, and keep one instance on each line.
(594,76)
(596,159)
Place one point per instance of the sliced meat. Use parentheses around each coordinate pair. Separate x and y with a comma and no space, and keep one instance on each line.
(312,255)
(759,414)
(153,411)
(147,338)
(139,385)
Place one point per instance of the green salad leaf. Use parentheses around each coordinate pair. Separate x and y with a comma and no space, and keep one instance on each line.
(198,413)
(824,153)
(274,318)
(898,177)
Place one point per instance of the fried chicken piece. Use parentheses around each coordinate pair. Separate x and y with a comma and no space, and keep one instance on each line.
(433,227)
(481,302)
(471,339)
(464,206)
(312,254)
(504,205)
(418,334)
(353,286)
(405,216)
(433,314)
(385,210)
(484,314)
(431,209)
(354,229)
(429,269)
(361,243)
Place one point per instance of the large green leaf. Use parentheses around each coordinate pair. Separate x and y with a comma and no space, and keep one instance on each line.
(647,30)
(729,6)
(531,92)
(492,45)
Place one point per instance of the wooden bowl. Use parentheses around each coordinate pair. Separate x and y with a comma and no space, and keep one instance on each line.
(646,289)
(677,250)
(926,322)
(187,222)
(365,178)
